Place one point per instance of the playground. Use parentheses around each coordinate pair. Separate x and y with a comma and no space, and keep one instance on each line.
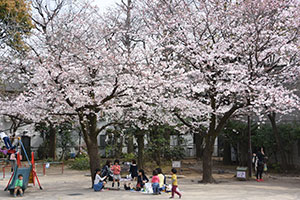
(76,185)
(147,99)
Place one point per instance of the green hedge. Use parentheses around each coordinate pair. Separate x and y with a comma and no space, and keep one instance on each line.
(81,163)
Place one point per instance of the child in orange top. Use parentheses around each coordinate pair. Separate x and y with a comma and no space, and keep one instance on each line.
(174,184)
(116,168)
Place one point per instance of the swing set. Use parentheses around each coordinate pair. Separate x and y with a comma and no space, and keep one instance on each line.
(29,173)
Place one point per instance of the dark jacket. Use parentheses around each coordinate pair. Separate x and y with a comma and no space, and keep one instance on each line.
(260,158)
(106,172)
(140,181)
(133,170)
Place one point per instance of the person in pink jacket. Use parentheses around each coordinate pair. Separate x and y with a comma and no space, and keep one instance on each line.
(116,168)
(155,182)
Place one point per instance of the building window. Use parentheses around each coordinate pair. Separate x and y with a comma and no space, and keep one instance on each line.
(102,141)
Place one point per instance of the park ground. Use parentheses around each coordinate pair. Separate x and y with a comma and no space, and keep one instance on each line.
(76,185)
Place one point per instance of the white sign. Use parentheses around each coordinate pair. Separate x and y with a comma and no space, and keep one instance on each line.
(241,174)
(176,164)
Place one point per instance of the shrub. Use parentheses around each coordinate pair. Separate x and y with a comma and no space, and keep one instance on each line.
(276,167)
(128,157)
(42,150)
(175,153)
(80,163)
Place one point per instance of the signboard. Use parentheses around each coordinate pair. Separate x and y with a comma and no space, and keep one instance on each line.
(176,164)
(241,174)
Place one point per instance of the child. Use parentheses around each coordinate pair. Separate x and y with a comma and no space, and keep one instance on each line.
(155,182)
(13,161)
(174,184)
(141,180)
(106,171)
(19,185)
(4,150)
(133,170)
(162,179)
(6,140)
(116,170)
(99,182)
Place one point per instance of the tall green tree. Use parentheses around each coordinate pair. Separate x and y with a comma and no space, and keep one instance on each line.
(15,22)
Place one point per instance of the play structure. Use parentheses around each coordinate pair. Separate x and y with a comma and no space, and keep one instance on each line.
(28,172)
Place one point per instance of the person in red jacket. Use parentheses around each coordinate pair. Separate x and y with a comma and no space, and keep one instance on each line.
(116,168)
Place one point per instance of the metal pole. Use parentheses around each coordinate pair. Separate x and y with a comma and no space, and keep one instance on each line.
(44,169)
(3,169)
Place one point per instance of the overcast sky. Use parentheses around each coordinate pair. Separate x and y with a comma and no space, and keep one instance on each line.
(103,4)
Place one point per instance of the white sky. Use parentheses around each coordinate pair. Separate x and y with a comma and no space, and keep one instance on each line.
(104,4)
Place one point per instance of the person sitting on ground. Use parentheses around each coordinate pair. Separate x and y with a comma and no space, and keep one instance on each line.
(133,170)
(128,187)
(174,184)
(155,182)
(162,179)
(141,180)
(18,186)
(99,182)
(116,168)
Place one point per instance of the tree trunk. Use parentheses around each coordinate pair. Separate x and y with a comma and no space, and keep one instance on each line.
(119,146)
(90,133)
(227,153)
(213,131)
(140,142)
(280,148)
(93,152)
(207,159)
(130,147)
(52,143)
(199,145)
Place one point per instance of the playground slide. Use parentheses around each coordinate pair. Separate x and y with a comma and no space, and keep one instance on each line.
(25,171)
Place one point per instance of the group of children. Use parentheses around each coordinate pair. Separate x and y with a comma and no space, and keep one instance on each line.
(107,173)
(113,173)
(159,182)
(9,150)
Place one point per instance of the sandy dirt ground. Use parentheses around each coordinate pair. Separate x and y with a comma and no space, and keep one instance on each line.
(76,185)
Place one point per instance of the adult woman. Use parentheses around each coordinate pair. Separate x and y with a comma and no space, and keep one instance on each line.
(260,157)
(162,179)
(141,180)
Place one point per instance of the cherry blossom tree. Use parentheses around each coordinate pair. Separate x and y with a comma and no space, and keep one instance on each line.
(216,59)
(82,67)
(188,61)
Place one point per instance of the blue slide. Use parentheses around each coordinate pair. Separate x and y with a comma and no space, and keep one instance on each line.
(25,171)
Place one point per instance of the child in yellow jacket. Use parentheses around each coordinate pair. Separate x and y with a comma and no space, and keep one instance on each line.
(174,184)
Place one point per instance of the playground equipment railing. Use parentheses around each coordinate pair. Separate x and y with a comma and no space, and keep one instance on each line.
(44,170)
(41,170)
